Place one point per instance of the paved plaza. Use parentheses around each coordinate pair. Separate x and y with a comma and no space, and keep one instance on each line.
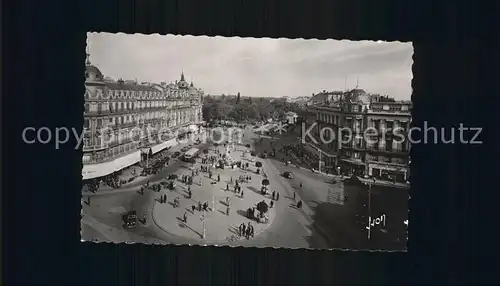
(220,225)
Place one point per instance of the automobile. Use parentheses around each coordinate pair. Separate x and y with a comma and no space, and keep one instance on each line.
(216,144)
(288,175)
(129,220)
(171,185)
(172,177)
(184,149)
(176,154)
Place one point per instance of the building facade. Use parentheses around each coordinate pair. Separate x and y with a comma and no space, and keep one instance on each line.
(122,118)
(363,134)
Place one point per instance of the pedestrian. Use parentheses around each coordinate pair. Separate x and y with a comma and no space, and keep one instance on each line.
(274,195)
(185,217)
(231,181)
(299,204)
(218,178)
(301,185)
(294,196)
(227,211)
(199,206)
(205,206)
(242,229)
(271,204)
(248,230)
(227,201)
(227,187)
(164,198)
(277,196)
(193,208)
(241,194)
(252,231)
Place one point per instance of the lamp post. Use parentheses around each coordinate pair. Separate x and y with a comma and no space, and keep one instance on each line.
(319,163)
(202,218)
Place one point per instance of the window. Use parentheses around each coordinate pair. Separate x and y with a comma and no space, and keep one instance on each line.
(388,145)
(110,120)
(86,123)
(86,107)
(99,123)
(122,106)
(99,107)
(111,107)
(389,125)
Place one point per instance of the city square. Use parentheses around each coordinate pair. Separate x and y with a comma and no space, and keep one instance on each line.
(168,163)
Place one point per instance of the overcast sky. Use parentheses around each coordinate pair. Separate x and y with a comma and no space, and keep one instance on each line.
(256,67)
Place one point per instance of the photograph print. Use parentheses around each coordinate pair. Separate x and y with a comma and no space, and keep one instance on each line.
(282,143)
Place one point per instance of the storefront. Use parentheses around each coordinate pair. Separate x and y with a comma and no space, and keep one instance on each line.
(352,167)
(91,171)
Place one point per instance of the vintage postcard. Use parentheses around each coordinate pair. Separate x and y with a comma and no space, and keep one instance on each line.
(283,143)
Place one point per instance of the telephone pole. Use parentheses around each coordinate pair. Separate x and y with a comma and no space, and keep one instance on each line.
(369,210)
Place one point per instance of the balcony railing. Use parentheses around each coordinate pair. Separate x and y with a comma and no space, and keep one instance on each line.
(123,111)
(385,150)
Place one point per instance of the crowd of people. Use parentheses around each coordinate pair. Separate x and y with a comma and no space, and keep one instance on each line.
(246,230)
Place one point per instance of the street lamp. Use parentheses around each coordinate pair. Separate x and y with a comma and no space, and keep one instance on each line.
(202,218)
(319,163)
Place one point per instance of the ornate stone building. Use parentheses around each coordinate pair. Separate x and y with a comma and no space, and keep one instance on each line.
(124,117)
(382,152)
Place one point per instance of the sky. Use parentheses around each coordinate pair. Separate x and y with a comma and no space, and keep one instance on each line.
(256,67)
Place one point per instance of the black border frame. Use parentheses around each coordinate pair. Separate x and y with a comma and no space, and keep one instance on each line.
(43,61)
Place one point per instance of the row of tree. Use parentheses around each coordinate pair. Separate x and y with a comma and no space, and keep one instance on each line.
(239,109)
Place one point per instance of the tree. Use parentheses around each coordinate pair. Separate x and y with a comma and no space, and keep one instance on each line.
(265,182)
(262,207)
(258,164)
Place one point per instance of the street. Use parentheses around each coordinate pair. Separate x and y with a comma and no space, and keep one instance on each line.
(325,220)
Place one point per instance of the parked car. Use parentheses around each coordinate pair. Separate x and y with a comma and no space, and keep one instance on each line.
(176,154)
(288,175)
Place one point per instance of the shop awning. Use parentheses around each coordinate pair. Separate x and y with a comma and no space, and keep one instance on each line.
(355,162)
